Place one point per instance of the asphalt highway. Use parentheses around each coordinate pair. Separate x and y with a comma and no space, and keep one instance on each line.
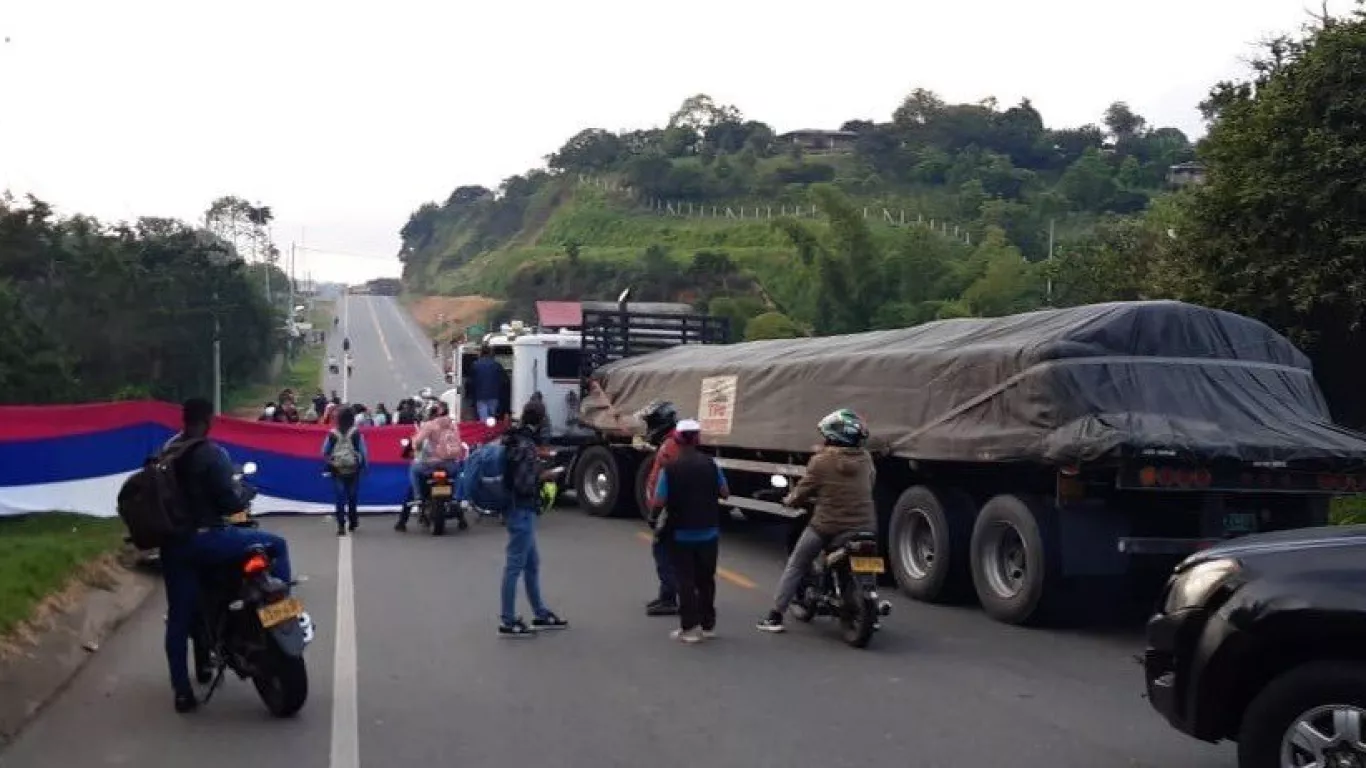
(407,669)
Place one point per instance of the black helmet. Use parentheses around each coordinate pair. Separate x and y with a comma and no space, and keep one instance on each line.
(660,418)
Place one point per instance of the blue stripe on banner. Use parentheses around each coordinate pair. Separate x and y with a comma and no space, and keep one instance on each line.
(76,457)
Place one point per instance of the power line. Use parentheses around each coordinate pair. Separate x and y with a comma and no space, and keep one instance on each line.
(337,252)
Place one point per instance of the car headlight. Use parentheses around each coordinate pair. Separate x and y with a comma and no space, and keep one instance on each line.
(1193,587)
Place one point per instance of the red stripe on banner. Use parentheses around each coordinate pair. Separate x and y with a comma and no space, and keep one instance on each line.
(32,422)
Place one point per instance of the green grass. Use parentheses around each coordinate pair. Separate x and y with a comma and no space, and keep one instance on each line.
(1348,510)
(302,375)
(40,553)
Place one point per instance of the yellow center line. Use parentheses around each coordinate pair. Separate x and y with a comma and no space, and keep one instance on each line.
(726,574)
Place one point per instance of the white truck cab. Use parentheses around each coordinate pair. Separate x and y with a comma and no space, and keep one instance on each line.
(545,362)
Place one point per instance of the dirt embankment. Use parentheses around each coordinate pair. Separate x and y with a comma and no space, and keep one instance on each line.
(446,316)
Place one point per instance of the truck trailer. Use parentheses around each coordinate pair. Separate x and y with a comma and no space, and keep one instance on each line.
(1018,457)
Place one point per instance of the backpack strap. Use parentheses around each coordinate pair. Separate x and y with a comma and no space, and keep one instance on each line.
(176,451)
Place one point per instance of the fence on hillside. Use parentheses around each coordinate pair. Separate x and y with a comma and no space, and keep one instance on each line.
(897,217)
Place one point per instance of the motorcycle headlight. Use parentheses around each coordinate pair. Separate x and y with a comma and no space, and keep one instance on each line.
(1193,587)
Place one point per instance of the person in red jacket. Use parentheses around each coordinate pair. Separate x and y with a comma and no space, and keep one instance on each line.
(661,417)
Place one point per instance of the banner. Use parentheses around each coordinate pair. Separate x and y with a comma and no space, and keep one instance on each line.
(76,457)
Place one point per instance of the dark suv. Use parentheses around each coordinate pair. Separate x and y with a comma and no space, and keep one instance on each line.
(1262,640)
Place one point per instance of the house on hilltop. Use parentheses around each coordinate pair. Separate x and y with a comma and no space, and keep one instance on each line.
(815,140)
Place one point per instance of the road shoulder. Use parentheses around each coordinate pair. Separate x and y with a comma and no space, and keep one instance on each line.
(38,662)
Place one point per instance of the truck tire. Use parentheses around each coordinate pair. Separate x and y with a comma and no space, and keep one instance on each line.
(1311,693)
(606,482)
(1014,558)
(927,543)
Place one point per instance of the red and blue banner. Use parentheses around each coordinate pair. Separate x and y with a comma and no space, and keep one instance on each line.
(75,457)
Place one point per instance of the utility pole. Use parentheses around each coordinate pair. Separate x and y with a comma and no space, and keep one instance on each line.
(217,361)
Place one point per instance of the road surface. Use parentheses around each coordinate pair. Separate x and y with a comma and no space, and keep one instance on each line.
(393,358)
(407,669)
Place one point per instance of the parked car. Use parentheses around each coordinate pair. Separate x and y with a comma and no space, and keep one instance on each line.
(1262,640)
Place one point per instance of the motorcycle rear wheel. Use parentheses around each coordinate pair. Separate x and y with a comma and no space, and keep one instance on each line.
(282,682)
(437,513)
(858,619)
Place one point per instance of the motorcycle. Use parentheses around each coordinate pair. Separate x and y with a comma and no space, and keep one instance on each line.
(250,623)
(438,503)
(842,583)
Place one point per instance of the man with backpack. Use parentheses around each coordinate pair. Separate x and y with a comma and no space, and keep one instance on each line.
(181,502)
(522,479)
(344,451)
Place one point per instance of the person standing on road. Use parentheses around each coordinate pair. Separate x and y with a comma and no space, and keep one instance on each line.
(689,492)
(487,382)
(839,480)
(344,451)
(660,418)
(381,416)
(522,477)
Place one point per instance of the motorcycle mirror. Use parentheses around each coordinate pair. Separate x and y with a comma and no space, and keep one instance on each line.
(778,481)
(490,422)
(249,468)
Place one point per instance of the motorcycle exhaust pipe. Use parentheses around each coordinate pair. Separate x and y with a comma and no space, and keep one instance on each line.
(884,608)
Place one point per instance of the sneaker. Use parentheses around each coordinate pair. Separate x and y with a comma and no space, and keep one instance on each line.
(773,622)
(462,525)
(708,633)
(401,527)
(341,531)
(354,525)
(517,628)
(203,674)
(688,636)
(549,621)
(661,608)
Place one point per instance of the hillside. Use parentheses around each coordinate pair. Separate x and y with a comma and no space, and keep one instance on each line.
(946,210)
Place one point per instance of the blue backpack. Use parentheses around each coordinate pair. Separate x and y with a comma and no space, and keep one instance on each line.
(482,479)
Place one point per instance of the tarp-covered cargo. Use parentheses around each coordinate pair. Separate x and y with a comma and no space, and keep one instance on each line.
(1067,385)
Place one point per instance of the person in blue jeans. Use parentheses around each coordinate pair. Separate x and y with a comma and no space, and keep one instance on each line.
(486,381)
(204,479)
(523,477)
(346,456)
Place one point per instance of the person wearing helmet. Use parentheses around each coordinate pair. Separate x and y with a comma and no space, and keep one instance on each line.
(660,419)
(838,485)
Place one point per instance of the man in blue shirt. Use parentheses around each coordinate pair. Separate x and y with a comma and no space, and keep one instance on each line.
(689,491)
(486,379)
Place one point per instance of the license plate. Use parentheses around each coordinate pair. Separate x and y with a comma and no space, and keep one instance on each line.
(1240,522)
(441,491)
(866,564)
(278,613)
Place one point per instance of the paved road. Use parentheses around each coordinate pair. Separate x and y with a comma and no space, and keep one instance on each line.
(393,358)
(407,670)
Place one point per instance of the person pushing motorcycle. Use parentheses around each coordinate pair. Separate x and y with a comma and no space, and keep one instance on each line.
(839,480)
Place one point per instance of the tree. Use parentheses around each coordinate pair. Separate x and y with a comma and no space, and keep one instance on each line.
(1276,232)
(698,113)
(1089,182)
(1123,122)
(772,325)
(591,150)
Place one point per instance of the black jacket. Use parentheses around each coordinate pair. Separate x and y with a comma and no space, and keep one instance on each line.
(693,485)
(204,478)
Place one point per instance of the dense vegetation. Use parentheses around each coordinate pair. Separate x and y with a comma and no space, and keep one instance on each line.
(1275,231)
(93,312)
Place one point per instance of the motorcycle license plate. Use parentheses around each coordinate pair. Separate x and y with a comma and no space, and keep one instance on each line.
(279,613)
(867,564)
(441,491)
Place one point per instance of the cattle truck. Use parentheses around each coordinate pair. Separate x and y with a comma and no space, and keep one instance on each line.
(1026,458)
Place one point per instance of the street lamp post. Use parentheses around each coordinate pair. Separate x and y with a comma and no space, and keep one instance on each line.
(217,361)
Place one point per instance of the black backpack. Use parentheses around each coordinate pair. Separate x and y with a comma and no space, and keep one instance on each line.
(150,502)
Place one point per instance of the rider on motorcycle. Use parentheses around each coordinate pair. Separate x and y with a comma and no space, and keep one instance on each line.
(438,446)
(839,481)
(204,478)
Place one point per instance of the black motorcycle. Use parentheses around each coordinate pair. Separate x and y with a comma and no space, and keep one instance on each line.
(842,583)
(438,503)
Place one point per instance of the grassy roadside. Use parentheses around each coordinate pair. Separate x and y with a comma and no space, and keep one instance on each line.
(1348,510)
(39,554)
(303,375)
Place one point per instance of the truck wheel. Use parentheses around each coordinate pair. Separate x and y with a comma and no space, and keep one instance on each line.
(927,542)
(606,484)
(1014,565)
(1306,717)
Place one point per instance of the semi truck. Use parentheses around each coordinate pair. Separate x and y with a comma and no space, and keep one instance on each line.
(1022,458)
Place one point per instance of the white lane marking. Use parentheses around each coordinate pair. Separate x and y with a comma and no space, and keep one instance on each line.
(383,343)
(345,711)
(346,334)
(408,326)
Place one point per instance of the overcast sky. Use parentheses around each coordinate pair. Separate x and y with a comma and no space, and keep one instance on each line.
(345,116)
